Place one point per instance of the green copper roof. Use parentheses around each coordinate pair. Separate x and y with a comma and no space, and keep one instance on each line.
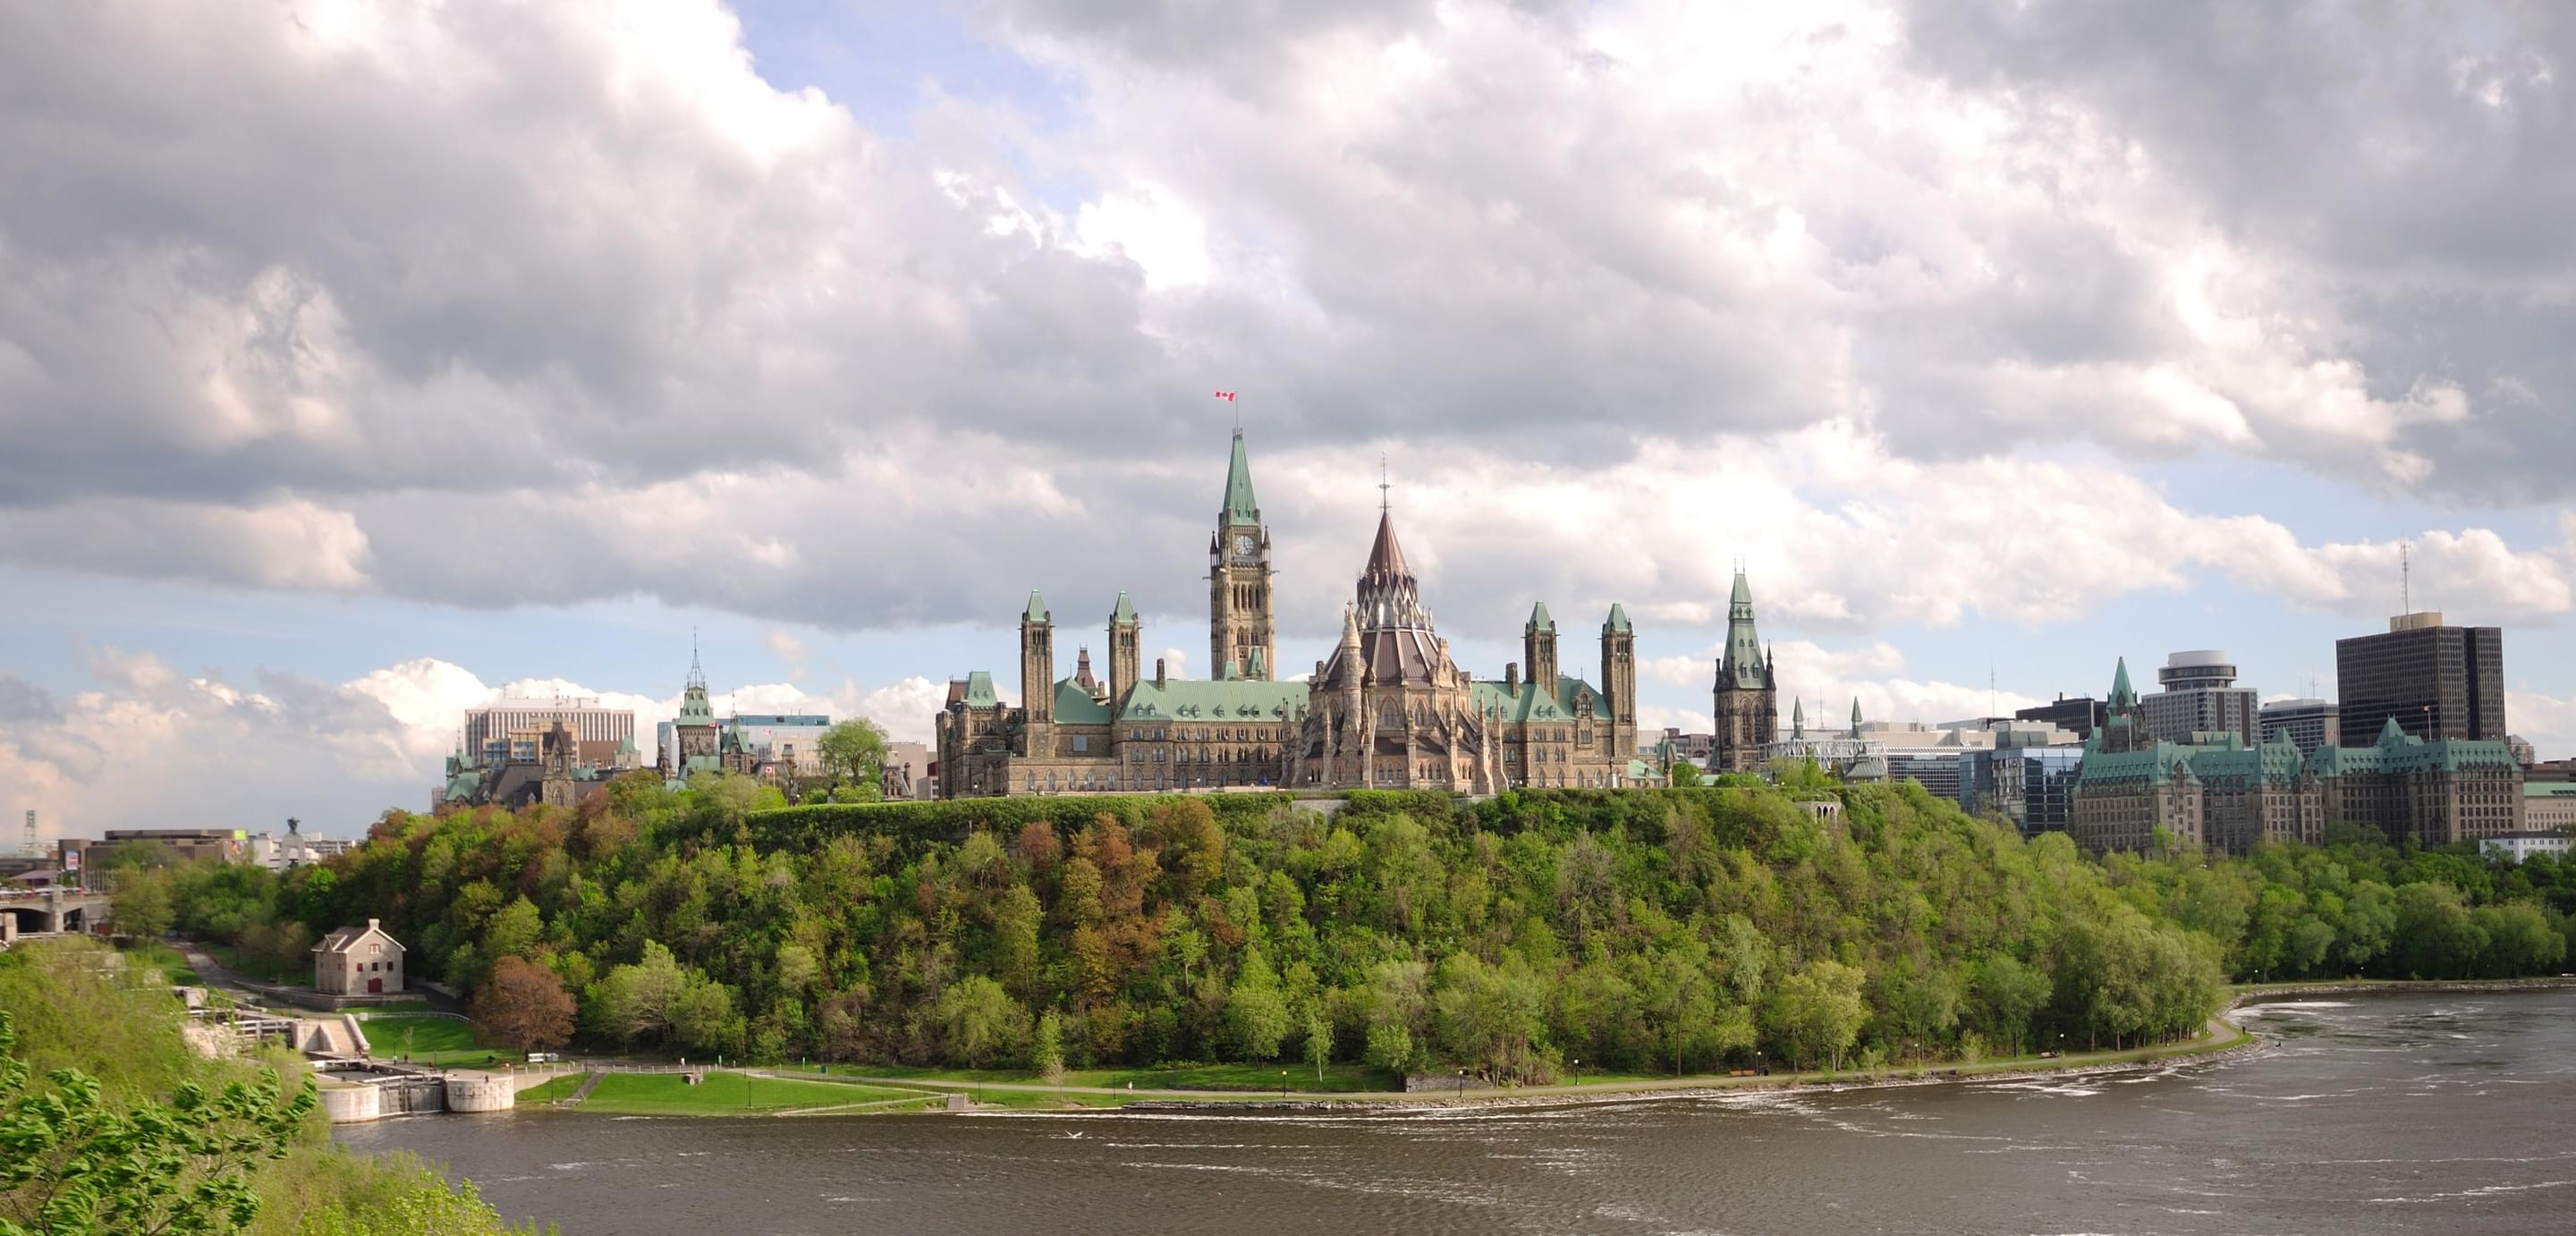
(1239,506)
(1798,718)
(1618,619)
(2122,694)
(1743,645)
(1532,704)
(1213,702)
(1125,612)
(1538,619)
(1855,716)
(1260,667)
(1074,705)
(979,690)
(1037,610)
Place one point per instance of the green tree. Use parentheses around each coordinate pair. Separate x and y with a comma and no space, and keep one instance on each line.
(1685,774)
(1319,1041)
(2005,993)
(1256,1014)
(979,1024)
(854,752)
(75,1164)
(634,1002)
(1048,1054)
(142,908)
(1818,1013)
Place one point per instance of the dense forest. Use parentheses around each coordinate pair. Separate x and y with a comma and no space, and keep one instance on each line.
(1676,930)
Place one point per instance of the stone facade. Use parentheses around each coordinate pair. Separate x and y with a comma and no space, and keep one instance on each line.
(358,960)
(1389,708)
(2232,797)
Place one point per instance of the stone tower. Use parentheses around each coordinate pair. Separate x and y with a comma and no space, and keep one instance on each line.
(695,728)
(1242,639)
(1126,650)
(1037,677)
(1747,695)
(1619,681)
(1538,648)
(556,787)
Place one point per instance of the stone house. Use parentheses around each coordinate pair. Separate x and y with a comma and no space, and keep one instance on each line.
(358,961)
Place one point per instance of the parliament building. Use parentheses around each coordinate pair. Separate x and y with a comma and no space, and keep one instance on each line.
(1388,709)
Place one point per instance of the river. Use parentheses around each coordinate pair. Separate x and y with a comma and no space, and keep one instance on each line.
(2395,1113)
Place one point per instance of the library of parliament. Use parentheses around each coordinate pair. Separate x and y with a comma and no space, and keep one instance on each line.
(1388,709)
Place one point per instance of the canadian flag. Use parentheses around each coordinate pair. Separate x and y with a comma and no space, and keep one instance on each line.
(1227,396)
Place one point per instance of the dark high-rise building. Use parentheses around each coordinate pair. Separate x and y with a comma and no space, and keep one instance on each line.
(2082,714)
(2435,681)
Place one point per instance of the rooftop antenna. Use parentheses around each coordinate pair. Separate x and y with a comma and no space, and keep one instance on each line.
(2405,577)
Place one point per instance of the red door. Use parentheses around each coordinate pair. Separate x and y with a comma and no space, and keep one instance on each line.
(375,987)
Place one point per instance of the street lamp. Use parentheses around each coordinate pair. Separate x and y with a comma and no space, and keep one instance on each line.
(1283,1083)
(1462,1083)
(1577,1079)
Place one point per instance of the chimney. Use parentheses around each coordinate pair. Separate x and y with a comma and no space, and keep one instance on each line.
(1161,675)
(1511,678)
(371,924)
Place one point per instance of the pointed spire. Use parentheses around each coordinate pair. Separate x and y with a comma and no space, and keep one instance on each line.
(1037,610)
(1538,619)
(1745,664)
(1385,556)
(697,676)
(1618,622)
(1798,718)
(1125,611)
(1239,505)
(2123,695)
(1855,716)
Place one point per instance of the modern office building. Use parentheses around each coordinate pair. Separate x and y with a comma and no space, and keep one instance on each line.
(2082,714)
(2201,700)
(2307,723)
(2438,682)
(2032,786)
(792,740)
(511,731)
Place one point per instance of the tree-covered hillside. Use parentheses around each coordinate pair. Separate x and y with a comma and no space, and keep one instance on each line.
(1638,931)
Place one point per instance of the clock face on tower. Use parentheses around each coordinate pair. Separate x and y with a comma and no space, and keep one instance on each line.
(1242,546)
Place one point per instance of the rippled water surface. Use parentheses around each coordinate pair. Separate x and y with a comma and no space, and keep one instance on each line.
(2413,1113)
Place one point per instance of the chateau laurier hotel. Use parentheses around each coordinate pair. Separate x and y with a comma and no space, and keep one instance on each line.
(1388,709)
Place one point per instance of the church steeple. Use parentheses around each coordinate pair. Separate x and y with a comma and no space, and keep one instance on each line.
(1746,697)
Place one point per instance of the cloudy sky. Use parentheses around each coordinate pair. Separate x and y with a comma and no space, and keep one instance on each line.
(359,361)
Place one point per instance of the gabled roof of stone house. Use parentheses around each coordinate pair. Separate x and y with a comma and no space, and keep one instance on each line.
(348,938)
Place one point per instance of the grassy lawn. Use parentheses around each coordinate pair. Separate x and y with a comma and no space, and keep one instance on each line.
(1253,1078)
(559,1088)
(669,1094)
(429,1040)
(174,969)
(261,969)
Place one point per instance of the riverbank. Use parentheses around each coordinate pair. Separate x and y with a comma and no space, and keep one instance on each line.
(988,1094)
